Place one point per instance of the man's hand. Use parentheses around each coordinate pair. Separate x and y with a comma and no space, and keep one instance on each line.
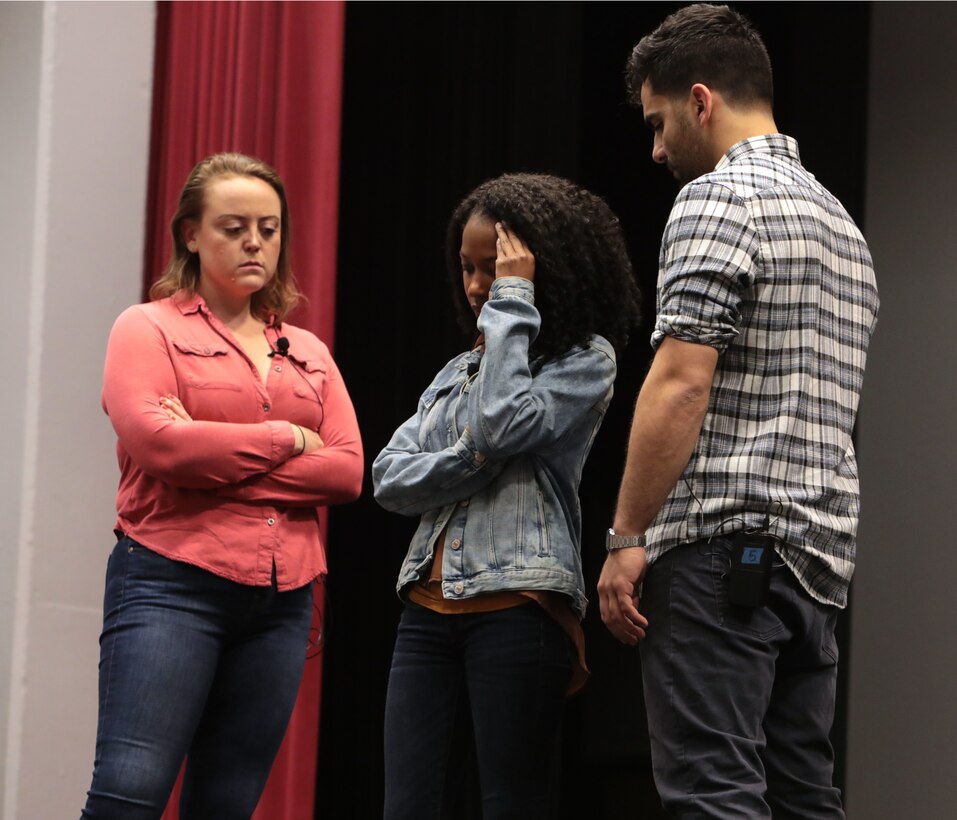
(618,586)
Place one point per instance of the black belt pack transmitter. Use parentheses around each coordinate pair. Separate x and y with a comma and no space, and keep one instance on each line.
(750,576)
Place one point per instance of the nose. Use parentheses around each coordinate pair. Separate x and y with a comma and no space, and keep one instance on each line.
(658,153)
(254,240)
(473,287)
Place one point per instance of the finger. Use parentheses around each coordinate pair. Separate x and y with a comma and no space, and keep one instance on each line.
(629,610)
(504,241)
(615,619)
(629,632)
(174,407)
(518,244)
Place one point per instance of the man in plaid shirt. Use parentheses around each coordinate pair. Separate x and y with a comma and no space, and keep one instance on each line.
(734,536)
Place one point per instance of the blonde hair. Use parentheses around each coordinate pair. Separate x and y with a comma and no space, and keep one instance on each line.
(182,273)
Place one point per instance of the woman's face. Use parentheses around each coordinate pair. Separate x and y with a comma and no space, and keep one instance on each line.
(478,255)
(238,237)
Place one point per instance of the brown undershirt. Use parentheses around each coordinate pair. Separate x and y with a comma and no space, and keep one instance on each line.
(427,592)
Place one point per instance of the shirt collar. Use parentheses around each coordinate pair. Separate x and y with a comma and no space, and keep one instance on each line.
(776,144)
(189,303)
(194,303)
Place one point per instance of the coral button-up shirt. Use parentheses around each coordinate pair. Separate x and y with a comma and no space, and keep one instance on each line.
(226,491)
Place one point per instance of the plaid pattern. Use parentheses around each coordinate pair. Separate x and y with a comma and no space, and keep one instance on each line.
(761,262)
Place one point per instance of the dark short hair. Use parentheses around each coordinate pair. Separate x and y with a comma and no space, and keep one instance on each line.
(182,273)
(702,43)
(583,278)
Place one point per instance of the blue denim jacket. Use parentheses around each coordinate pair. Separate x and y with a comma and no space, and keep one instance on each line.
(494,454)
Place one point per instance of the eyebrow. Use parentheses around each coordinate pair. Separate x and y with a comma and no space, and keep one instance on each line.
(244,217)
(466,257)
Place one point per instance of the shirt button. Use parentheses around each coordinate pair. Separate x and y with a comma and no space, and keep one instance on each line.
(464,503)
(267,406)
(270,521)
(479,458)
(278,368)
(456,543)
(458,589)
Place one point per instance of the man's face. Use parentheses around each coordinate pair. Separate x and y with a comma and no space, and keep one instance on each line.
(680,142)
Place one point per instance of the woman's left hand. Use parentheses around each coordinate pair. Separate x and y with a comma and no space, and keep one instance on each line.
(174,408)
(513,256)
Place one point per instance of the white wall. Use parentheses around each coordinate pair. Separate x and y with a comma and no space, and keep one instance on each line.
(75,87)
(21,28)
(902,749)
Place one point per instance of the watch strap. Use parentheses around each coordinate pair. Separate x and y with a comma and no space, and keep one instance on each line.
(613,541)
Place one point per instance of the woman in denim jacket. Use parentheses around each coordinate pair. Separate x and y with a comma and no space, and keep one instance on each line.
(491,461)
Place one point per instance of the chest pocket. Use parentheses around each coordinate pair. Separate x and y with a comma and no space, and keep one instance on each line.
(312,379)
(203,365)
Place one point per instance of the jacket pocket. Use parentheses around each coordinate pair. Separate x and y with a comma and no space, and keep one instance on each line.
(544,545)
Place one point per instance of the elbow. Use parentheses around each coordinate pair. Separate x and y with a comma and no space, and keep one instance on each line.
(350,480)
(693,396)
(353,488)
(383,491)
(502,436)
(391,496)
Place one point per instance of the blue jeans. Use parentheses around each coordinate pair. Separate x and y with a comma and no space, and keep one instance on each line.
(191,663)
(740,701)
(511,669)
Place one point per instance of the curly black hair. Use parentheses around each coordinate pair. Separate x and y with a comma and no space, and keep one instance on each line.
(583,278)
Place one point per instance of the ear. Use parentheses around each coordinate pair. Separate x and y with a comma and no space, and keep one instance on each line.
(702,103)
(188,229)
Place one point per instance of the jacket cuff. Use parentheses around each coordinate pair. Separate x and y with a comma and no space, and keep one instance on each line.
(466,450)
(513,287)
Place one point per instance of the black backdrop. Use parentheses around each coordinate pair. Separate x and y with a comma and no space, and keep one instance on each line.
(437,98)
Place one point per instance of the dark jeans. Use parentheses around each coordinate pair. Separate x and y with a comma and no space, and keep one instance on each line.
(510,669)
(740,701)
(191,662)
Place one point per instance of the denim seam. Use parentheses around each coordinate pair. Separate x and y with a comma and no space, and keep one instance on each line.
(121,608)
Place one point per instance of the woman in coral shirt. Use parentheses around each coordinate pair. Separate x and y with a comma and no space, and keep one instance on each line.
(233,427)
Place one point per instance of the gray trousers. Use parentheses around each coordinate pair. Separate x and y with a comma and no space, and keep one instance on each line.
(740,701)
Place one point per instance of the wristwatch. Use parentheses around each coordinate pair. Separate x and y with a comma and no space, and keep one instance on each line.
(613,541)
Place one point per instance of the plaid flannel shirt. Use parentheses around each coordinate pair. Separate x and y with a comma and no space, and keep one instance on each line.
(761,262)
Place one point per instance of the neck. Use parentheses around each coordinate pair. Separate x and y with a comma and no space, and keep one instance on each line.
(735,126)
(232,312)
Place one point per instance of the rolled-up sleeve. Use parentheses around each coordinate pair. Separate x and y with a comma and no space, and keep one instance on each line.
(709,255)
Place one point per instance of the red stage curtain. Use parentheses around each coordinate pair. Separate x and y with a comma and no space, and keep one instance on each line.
(264,79)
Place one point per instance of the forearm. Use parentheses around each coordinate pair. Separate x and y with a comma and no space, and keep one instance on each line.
(511,410)
(668,416)
(203,454)
(331,475)
(325,468)
(411,482)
